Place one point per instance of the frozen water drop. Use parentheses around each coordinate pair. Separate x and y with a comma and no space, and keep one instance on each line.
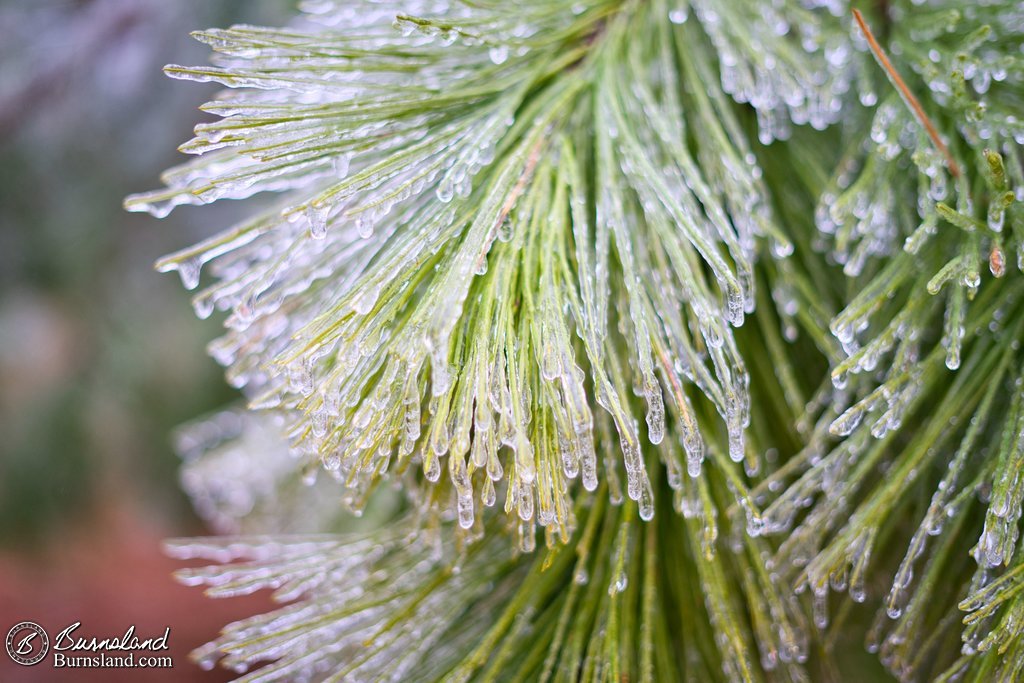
(445,190)
(189,270)
(317,217)
(364,226)
(432,469)
(498,54)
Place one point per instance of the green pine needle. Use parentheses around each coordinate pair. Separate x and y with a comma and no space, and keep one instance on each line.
(499,237)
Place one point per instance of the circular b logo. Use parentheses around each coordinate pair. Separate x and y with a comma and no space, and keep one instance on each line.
(27,643)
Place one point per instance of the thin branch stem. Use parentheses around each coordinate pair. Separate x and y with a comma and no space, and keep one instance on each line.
(908,97)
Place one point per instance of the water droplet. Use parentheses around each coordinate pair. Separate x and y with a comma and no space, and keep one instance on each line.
(498,54)
(432,468)
(189,270)
(364,226)
(505,230)
(317,217)
(445,190)
(481,266)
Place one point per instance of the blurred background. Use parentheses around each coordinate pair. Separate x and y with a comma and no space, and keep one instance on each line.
(100,357)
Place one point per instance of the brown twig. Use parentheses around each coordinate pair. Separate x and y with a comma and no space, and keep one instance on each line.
(908,97)
(524,178)
(517,191)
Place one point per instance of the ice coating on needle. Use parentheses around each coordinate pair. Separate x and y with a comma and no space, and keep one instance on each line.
(444,283)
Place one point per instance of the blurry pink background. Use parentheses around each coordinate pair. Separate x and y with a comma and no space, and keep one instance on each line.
(100,357)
